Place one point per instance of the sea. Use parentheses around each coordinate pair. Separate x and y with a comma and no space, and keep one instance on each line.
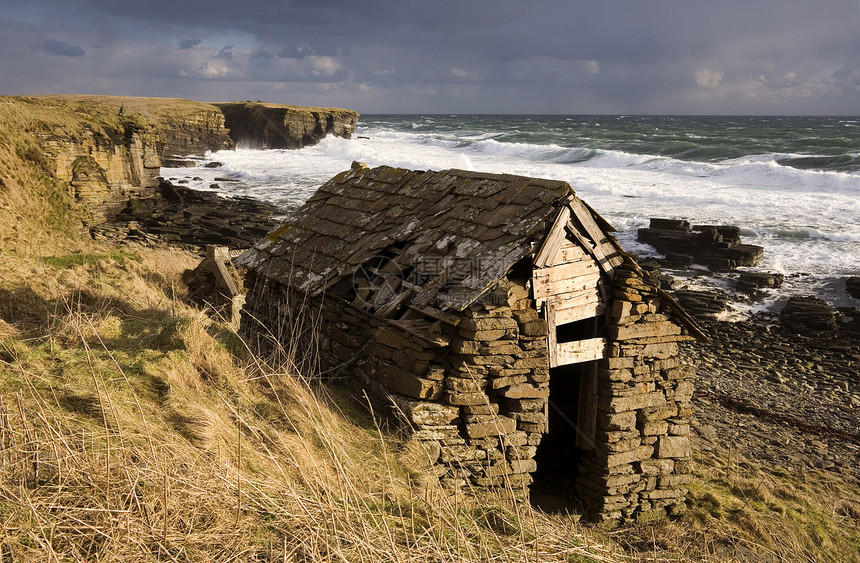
(792,184)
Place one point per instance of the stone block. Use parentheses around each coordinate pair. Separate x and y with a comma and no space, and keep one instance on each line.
(500,425)
(663,494)
(523,465)
(501,382)
(674,447)
(625,458)
(520,452)
(525,405)
(657,466)
(425,413)
(661,412)
(465,385)
(617,363)
(491,323)
(461,454)
(673,481)
(655,428)
(616,421)
(515,439)
(631,403)
(539,362)
(524,315)
(684,391)
(460,399)
(403,382)
(525,391)
(437,433)
(536,327)
(482,335)
(486,408)
(497,470)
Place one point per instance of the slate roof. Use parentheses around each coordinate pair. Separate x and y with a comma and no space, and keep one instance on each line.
(485,221)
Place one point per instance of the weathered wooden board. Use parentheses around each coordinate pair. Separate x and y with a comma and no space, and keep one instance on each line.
(577,284)
(580,351)
(553,240)
(572,299)
(570,252)
(586,414)
(549,315)
(587,310)
(566,271)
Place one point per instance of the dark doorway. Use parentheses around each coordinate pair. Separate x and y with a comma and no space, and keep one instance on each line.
(558,455)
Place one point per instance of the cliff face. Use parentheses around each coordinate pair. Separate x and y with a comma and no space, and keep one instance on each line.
(269,126)
(106,150)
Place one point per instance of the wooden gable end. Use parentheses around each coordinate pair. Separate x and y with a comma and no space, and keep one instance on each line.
(571,268)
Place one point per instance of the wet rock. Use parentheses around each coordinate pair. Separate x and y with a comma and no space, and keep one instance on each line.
(213,164)
(751,282)
(180,214)
(702,304)
(715,246)
(852,286)
(808,315)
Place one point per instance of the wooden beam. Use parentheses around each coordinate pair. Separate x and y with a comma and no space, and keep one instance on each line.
(553,239)
(586,414)
(549,315)
(580,351)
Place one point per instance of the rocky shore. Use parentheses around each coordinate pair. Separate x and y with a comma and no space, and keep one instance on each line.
(177,214)
(780,398)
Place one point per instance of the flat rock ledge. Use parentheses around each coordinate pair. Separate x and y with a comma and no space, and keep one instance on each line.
(177,214)
(716,246)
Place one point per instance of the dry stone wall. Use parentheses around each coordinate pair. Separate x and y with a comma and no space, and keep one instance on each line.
(473,389)
(640,466)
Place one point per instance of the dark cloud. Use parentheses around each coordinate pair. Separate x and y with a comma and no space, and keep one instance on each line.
(226,53)
(61,48)
(186,44)
(617,56)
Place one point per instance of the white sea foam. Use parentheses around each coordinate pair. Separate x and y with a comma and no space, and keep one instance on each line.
(807,220)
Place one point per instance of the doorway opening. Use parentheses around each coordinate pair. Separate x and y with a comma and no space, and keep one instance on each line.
(561,448)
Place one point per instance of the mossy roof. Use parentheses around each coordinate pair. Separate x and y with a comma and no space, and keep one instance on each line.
(482,224)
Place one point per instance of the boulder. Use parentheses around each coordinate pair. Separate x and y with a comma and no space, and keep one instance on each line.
(808,315)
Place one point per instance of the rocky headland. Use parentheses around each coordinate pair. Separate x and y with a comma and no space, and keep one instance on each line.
(104,153)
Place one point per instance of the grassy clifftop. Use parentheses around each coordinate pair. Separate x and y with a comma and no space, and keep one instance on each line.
(68,158)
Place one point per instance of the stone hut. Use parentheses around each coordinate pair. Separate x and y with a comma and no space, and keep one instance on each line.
(501,320)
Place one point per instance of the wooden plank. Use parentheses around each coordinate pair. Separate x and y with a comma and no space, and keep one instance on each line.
(566,271)
(586,414)
(549,315)
(570,252)
(574,314)
(595,250)
(553,240)
(572,299)
(583,215)
(572,285)
(580,351)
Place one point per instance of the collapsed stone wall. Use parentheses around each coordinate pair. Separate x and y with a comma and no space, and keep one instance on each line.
(640,466)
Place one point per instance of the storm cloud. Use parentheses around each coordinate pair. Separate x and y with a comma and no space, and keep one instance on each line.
(482,56)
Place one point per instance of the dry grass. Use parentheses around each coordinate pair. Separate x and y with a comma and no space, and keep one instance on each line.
(134,428)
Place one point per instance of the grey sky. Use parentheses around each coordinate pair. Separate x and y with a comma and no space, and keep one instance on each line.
(447,56)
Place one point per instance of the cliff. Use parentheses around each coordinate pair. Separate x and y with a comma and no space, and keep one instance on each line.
(261,125)
(87,156)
